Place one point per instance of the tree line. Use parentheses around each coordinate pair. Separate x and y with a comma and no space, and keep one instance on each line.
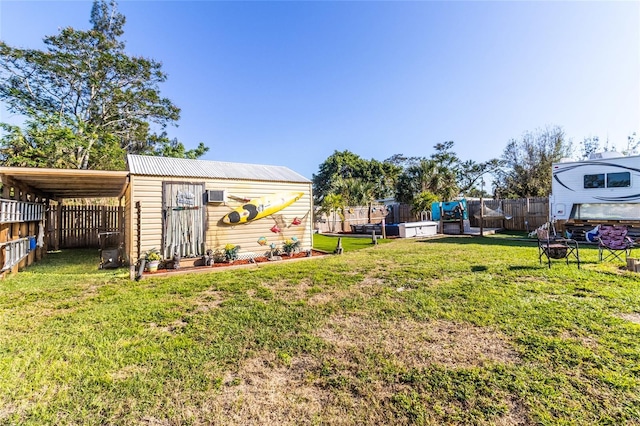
(523,170)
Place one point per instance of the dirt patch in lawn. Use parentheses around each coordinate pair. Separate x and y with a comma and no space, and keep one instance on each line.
(305,389)
(169,328)
(263,391)
(208,300)
(129,371)
(417,344)
(633,317)
(586,341)
(305,290)
(515,416)
(288,291)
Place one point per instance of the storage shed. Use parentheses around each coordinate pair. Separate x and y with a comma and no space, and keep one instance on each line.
(185,207)
(176,206)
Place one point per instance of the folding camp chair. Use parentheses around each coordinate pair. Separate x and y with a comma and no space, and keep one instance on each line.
(553,247)
(612,240)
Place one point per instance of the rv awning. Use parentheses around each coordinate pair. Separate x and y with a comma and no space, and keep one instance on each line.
(66,183)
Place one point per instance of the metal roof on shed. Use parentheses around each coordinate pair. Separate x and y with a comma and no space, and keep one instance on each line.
(179,167)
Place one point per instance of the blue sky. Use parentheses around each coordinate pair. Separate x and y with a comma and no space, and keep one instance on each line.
(287,83)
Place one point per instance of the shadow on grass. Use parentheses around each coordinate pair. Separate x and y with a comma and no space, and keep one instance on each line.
(479,268)
(468,239)
(73,261)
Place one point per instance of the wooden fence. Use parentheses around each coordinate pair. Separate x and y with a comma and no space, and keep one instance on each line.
(356,215)
(526,214)
(399,213)
(79,226)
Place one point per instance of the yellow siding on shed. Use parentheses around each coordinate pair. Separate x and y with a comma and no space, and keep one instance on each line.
(148,191)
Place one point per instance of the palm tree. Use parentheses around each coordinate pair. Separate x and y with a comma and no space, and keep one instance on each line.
(333,203)
(437,179)
(423,202)
(356,192)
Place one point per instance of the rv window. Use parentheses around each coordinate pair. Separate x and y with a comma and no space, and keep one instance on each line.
(594,181)
(618,180)
(605,211)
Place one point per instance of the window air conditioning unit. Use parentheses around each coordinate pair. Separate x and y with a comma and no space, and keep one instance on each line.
(215,196)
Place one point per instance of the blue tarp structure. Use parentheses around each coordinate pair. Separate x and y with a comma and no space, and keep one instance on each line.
(451,210)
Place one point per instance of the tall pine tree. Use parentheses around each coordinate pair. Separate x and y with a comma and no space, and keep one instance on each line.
(86,101)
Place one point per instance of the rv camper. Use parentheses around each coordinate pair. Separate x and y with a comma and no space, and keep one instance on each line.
(603,189)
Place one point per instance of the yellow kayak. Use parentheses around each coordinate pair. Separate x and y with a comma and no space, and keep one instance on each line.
(261,207)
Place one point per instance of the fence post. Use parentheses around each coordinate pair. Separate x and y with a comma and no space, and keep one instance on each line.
(481,217)
(384,231)
(59,226)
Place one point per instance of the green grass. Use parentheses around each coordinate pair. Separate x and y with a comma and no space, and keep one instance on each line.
(328,243)
(509,234)
(448,331)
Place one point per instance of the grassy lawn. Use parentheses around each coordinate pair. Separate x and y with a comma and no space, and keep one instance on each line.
(448,331)
(509,234)
(328,243)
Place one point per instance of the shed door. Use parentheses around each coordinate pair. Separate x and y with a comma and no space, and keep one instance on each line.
(183,219)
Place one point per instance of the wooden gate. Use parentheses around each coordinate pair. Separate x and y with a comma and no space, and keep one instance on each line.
(79,226)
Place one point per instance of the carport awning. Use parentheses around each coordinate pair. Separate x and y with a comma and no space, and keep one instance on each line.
(67,183)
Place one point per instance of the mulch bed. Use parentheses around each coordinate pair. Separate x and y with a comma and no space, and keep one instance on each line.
(263,259)
(235,263)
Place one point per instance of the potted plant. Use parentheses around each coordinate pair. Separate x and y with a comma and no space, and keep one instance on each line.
(153,258)
(291,246)
(231,252)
